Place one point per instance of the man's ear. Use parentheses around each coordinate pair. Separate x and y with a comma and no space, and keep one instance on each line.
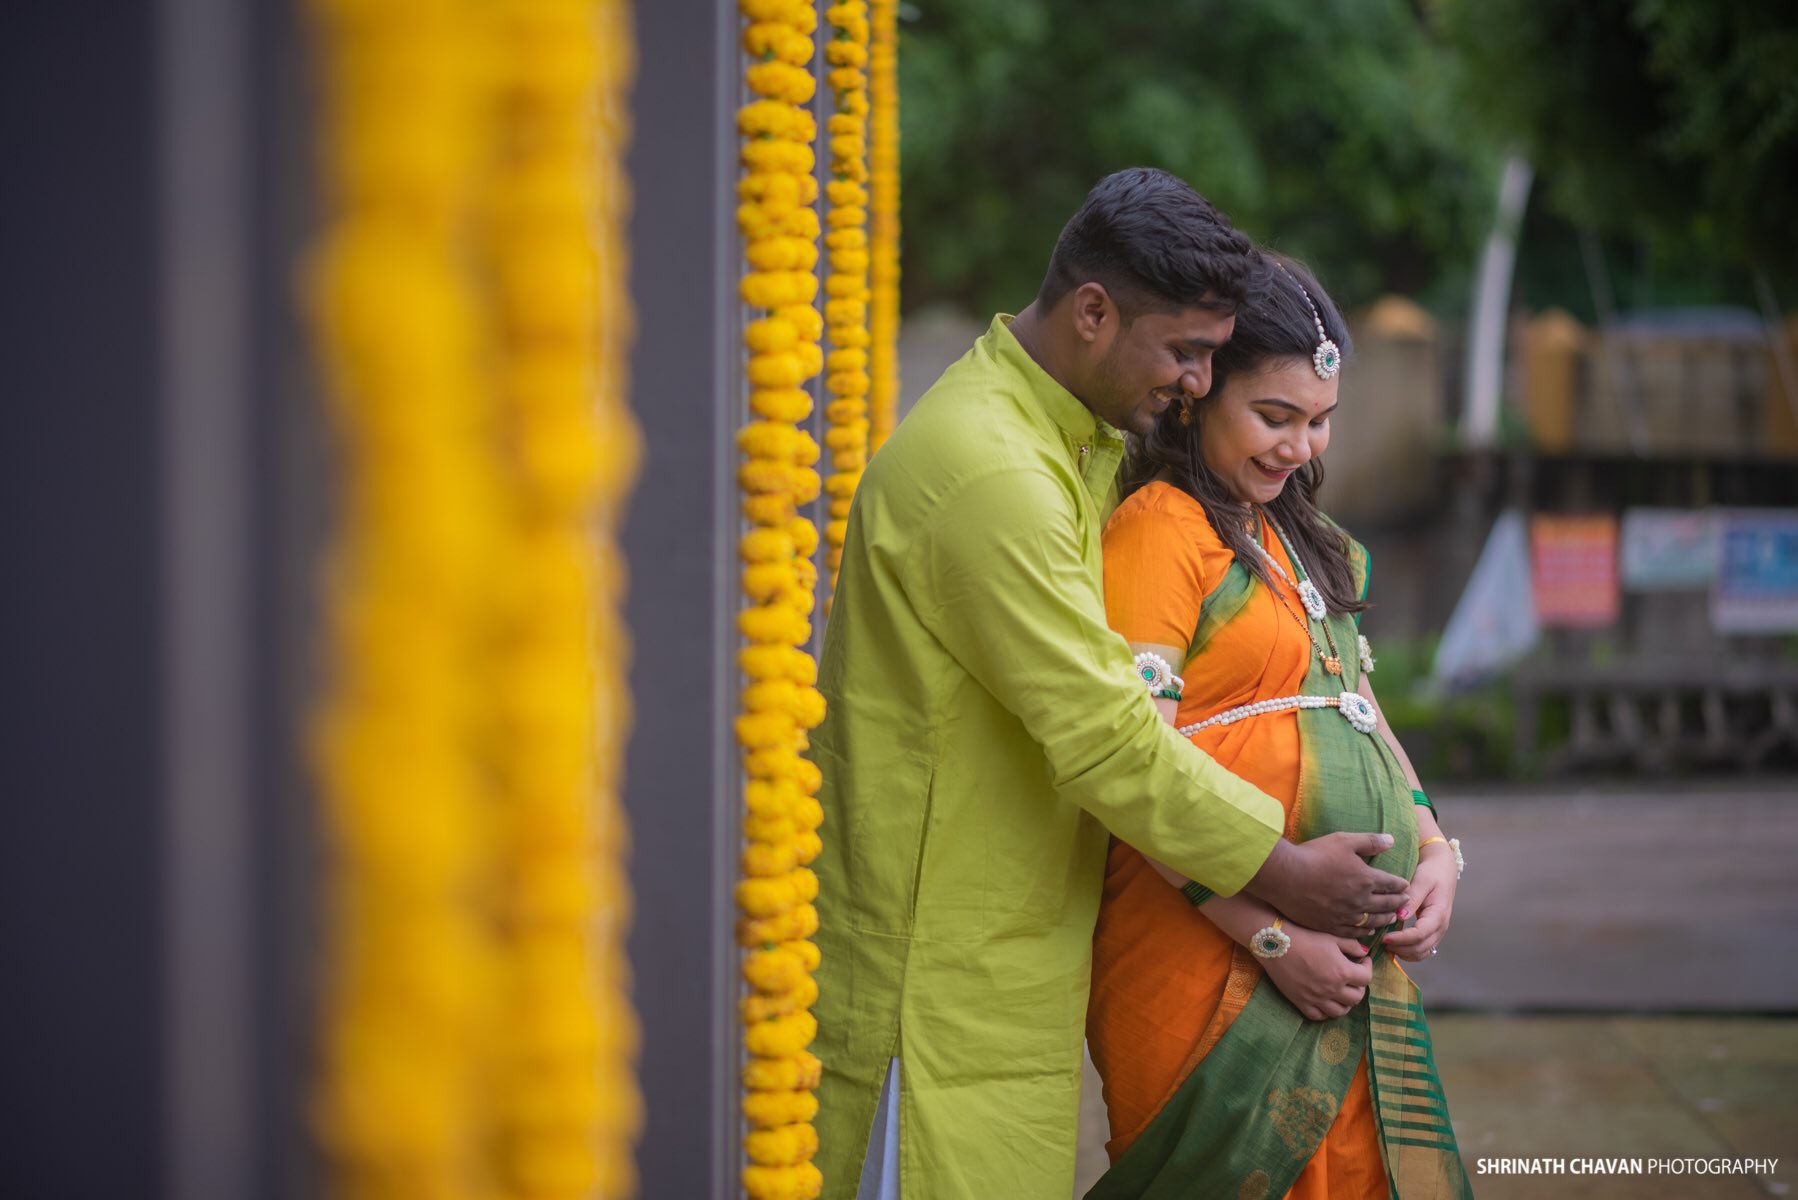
(1095,313)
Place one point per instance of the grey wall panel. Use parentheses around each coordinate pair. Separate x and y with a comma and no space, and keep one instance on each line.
(680,786)
(80,1085)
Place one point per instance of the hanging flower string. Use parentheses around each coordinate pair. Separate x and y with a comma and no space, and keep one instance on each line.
(409,974)
(883,213)
(567,1107)
(846,288)
(779,223)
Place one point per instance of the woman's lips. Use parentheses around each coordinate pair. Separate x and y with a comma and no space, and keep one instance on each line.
(1272,472)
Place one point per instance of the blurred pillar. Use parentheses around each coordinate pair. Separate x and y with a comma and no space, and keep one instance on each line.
(680,784)
(1554,345)
(1381,464)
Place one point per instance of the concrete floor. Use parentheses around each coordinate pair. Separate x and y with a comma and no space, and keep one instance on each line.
(1621,980)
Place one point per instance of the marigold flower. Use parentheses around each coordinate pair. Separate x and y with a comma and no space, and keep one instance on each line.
(843,53)
(801,1070)
(804,318)
(781,1038)
(778,662)
(781,404)
(784,1146)
(783,81)
(774,1108)
(766,545)
(800,1182)
(773,510)
(805,537)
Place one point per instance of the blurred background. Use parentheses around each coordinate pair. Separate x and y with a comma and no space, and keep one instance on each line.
(1567,240)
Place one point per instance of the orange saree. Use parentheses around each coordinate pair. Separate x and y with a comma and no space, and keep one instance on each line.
(1167,983)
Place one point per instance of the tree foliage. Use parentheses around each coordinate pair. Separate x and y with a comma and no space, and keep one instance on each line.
(1325,129)
(1673,122)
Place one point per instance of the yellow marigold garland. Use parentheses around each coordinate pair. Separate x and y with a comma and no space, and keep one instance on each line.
(477,1041)
(883,212)
(846,288)
(398,322)
(780,230)
(567,1107)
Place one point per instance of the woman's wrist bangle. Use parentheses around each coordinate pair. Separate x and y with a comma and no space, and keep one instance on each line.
(1454,847)
(1417,797)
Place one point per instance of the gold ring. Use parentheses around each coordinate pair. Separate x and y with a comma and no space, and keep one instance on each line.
(1362,921)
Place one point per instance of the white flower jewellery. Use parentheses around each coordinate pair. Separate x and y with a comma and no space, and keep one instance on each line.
(1312,599)
(1355,708)
(1271,941)
(1158,676)
(1366,650)
(1309,596)
(1326,360)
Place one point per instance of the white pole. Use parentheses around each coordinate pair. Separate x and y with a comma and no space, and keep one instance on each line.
(1491,299)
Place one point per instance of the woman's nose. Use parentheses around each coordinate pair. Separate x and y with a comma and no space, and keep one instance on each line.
(1296,450)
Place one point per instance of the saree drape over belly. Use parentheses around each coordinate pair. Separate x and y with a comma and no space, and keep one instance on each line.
(1215,1084)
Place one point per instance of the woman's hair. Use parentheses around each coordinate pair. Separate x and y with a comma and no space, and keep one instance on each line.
(1274,325)
(1154,243)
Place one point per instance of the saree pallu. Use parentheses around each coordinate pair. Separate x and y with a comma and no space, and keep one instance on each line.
(1222,1088)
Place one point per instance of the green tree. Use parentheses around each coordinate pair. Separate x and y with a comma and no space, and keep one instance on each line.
(1324,129)
(1670,122)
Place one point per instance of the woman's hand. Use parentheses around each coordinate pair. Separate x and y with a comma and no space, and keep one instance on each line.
(1324,976)
(1433,890)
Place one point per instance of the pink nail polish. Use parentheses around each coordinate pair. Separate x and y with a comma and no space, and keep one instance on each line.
(1404,914)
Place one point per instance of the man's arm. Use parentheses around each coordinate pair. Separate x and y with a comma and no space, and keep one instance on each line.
(1000,578)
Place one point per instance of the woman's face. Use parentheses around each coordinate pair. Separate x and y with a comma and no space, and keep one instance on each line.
(1258,429)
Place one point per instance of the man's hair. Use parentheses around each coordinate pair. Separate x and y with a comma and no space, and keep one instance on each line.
(1154,244)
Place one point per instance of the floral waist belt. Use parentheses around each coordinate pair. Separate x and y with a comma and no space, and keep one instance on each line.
(1355,708)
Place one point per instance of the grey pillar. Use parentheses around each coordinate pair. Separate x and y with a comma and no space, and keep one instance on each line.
(680,785)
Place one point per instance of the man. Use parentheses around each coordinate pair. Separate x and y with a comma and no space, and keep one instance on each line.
(986,729)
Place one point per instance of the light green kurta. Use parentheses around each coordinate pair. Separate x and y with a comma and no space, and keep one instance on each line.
(985,729)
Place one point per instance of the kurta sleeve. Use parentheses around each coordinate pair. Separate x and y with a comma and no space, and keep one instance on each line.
(999,577)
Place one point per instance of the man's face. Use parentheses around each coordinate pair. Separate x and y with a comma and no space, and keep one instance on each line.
(1152,361)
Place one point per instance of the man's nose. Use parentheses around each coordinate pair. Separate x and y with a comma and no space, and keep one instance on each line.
(1197,381)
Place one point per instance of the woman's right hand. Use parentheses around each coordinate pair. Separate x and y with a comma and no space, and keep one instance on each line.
(1323,975)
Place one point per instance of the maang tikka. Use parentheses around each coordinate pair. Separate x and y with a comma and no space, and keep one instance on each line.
(1326,360)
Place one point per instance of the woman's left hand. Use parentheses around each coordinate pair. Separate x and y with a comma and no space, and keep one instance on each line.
(1433,899)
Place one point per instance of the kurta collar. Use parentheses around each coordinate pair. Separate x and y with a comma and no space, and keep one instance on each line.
(1064,408)
(1095,447)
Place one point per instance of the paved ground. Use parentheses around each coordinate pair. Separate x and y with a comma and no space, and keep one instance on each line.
(1621,981)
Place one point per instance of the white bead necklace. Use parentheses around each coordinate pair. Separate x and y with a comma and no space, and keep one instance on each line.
(1309,596)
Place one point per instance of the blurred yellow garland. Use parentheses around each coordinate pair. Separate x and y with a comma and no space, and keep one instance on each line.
(477,1039)
(780,228)
(846,288)
(883,186)
(566,1099)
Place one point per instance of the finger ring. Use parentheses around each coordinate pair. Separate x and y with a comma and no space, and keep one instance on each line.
(1362,921)
(1432,949)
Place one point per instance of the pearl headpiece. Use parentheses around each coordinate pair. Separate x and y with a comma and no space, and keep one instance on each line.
(1326,360)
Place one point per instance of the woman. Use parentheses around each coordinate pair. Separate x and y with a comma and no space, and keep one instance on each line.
(1243,1055)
